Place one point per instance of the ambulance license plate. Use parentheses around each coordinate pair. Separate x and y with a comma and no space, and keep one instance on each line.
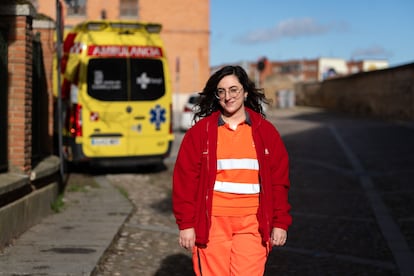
(105,141)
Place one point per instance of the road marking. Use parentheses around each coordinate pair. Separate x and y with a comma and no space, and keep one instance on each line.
(391,231)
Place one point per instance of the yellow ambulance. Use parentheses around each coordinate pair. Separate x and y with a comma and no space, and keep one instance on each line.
(116,94)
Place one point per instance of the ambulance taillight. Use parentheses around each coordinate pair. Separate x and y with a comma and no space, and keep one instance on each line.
(76,120)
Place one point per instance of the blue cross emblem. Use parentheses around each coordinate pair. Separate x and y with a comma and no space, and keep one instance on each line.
(157,116)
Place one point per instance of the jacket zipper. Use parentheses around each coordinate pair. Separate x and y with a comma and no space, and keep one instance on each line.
(262,207)
(207,152)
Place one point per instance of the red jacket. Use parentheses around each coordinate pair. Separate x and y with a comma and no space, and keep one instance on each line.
(195,173)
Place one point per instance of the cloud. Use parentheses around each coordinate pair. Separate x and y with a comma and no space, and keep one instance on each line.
(291,28)
(371,52)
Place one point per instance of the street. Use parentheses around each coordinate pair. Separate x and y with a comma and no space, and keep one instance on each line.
(351,195)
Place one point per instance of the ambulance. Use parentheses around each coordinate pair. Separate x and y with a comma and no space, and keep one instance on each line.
(116,94)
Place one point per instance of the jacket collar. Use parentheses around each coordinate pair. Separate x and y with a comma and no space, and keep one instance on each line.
(248,121)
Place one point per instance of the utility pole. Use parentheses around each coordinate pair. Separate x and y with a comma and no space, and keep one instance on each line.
(59,36)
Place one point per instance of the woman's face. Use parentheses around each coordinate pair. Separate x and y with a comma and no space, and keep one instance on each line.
(231,95)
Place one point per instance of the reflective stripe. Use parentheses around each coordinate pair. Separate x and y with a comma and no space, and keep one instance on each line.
(238,164)
(236,188)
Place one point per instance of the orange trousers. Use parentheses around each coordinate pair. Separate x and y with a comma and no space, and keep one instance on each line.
(234,248)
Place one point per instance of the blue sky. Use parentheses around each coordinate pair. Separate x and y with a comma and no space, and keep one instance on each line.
(245,30)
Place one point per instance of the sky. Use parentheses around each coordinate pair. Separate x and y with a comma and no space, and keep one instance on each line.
(247,30)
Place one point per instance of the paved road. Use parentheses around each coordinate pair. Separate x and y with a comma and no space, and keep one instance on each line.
(352,197)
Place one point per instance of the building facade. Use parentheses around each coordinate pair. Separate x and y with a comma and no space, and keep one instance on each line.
(185,32)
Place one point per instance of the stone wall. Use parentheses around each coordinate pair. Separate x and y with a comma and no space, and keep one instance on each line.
(387,94)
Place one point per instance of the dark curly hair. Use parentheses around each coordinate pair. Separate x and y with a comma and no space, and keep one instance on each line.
(209,103)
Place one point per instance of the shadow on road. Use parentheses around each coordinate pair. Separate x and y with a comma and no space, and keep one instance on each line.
(176,265)
(163,206)
(116,169)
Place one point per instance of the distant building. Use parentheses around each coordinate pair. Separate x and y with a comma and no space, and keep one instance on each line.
(331,67)
(366,65)
(310,69)
(282,75)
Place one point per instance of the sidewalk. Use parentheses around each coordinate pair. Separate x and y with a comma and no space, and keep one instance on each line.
(72,241)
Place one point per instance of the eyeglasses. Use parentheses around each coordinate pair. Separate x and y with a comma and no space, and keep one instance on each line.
(233,92)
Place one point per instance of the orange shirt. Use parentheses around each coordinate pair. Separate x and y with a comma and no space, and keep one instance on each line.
(236,190)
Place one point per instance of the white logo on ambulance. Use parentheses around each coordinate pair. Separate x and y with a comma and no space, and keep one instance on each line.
(143,80)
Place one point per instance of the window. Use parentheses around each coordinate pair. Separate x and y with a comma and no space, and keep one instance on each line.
(76,7)
(105,83)
(310,67)
(128,8)
(145,82)
(147,79)
(290,68)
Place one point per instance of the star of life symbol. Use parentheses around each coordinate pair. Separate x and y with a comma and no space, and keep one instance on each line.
(143,80)
(157,116)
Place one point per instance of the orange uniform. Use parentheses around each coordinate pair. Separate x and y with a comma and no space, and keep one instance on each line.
(235,245)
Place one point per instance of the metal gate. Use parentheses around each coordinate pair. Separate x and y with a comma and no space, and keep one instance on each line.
(41,139)
(3,101)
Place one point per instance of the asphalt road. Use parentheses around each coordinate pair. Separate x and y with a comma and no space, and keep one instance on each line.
(352,195)
(352,200)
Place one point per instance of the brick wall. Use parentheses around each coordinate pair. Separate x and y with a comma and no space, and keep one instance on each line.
(186,33)
(20,88)
(27,189)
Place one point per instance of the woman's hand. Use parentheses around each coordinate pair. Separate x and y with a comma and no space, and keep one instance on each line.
(187,238)
(278,237)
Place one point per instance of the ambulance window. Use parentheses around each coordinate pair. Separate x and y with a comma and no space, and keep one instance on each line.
(107,79)
(147,79)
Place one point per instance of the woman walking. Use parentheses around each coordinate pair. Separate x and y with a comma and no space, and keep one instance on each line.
(231,180)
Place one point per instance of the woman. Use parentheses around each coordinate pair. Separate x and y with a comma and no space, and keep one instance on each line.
(231,180)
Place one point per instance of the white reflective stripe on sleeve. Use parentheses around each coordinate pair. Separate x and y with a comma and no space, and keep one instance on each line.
(237,164)
(236,188)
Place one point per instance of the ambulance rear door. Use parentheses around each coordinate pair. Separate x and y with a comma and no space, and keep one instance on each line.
(127,113)
(106,113)
(152,102)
